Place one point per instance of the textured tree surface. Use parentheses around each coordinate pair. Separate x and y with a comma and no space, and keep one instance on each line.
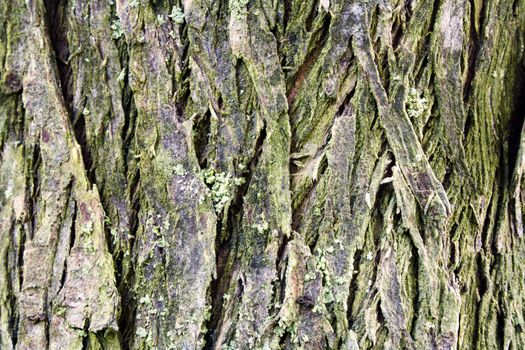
(258,174)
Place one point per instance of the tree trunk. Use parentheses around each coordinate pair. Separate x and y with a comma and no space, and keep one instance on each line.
(256,174)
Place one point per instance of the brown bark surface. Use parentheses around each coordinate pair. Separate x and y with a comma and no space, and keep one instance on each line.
(256,174)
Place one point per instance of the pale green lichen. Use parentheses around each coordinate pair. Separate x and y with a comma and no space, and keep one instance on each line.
(416,105)
(160,20)
(232,345)
(159,231)
(179,170)
(279,331)
(87,227)
(177,15)
(309,276)
(142,332)
(238,8)
(145,300)
(262,226)
(328,278)
(222,186)
(116,28)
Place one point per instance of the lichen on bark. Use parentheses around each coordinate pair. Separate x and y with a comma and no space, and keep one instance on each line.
(240,174)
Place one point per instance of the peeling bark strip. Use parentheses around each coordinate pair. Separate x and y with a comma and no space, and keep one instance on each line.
(240,174)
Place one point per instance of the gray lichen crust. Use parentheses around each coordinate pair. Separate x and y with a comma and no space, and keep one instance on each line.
(256,174)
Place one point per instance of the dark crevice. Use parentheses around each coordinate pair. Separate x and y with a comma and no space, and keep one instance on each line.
(20,127)
(312,238)
(402,19)
(421,68)
(219,285)
(314,10)
(469,124)
(426,45)
(73,228)
(432,22)
(134,194)
(11,297)
(515,4)
(102,337)
(353,285)
(474,46)
(256,157)
(346,108)
(281,263)
(414,265)
(372,20)
(125,269)
(416,302)
(299,209)
(130,116)
(201,138)
(286,15)
(383,65)
(46,330)
(33,183)
(116,239)
(183,93)
(225,250)
(20,261)
(447,178)
(500,324)
(126,321)
(79,129)
(122,256)
(389,172)
(56,23)
(343,108)
(482,287)
(72,233)
(453,262)
(85,338)
(63,277)
(431,130)
(225,245)
(397,32)
(284,339)
(295,83)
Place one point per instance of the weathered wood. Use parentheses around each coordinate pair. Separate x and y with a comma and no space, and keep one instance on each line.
(241,174)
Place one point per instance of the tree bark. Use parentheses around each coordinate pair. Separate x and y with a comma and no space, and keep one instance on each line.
(256,174)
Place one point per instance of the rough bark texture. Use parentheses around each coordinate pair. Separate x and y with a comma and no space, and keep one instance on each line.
(296,174)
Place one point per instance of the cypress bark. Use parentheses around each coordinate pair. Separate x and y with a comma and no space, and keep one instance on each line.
(241,174)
